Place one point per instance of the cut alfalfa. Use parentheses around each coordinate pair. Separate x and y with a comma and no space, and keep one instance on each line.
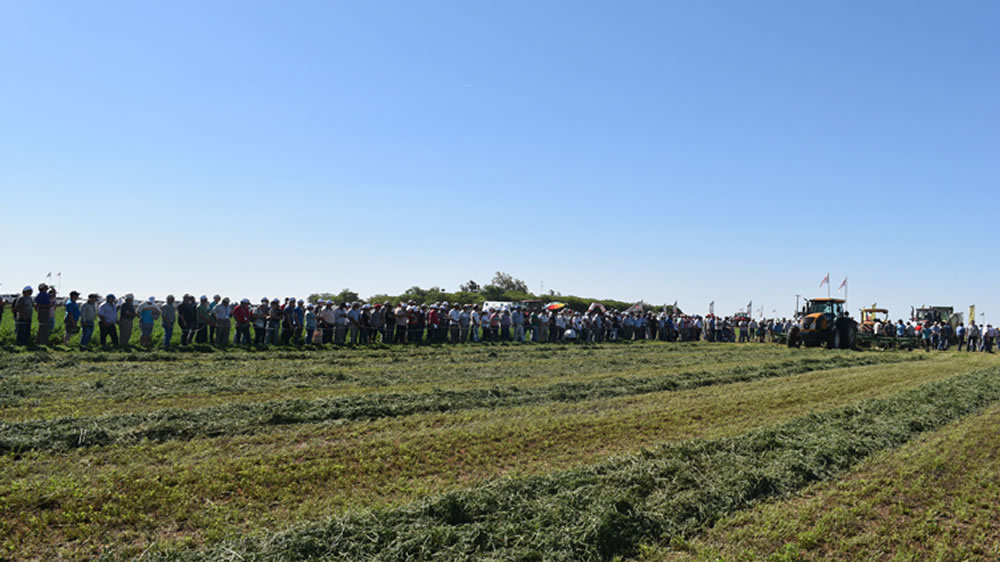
(607,510)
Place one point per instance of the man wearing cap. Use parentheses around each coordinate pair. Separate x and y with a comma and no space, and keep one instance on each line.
(43,305)
(187,317)
(220,312)
(310,322)
(168,316)
(377,320)
(274,317)
(126,317)
(260,321)
(24,308)
(71,322)
(326,321)
(147,312)
(216,299)
(88,315)
(201,320)
(289,322)
(108,315)
(300,320)
(243,316)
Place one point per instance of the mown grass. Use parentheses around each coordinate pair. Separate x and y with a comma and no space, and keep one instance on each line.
(46,385)
(609,509)
(933,499)
(189,493)
(238,419)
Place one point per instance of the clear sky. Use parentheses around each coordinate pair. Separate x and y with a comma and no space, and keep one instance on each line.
(656,150)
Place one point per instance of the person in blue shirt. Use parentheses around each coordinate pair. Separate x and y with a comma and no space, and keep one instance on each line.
(71,322)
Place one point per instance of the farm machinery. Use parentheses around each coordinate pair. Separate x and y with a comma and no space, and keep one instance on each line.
(824,321)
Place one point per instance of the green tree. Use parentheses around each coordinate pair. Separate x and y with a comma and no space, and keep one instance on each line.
(507,282)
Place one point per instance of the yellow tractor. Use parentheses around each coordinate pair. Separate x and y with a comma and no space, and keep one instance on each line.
(824,321)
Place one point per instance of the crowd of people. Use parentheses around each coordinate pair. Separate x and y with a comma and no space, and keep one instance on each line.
(221,322)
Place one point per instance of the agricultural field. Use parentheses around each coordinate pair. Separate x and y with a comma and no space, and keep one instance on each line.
(647,450)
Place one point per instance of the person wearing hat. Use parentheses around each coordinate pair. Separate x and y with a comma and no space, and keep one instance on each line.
(310,321)
(326,321)
(274,316)
(201,313)
(289,322)
(126,317)
(71,322)
(220,312)
(43,306)
(24,307)
(300,320)
(210,321)
(243,315)
(340,322)
(168,316)
(108,314)
(88,314)
(187,318)
(260,321)
(147,312)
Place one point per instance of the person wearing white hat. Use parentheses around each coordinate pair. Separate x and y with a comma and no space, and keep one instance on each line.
(148,312)
(168,317)
(24,308)
(126,317)
(310,323)
(44,305)
(108,315)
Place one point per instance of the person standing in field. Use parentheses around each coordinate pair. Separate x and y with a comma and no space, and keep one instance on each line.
(310,323)
(210,321)
(71,322)
(168,316)
(201,320)
(274,318)
(148,313)
(43,306)
(377,322)
(220,312)
(354,321)
(126,318)
(88,315)
(108,314)
(24,307)
(464,319)
(187,317)
(243,317)
(260,322)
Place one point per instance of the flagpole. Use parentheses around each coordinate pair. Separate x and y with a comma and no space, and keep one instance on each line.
(828,294)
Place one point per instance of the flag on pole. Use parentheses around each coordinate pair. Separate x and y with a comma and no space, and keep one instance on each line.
(842,285)
(825,281)
(972,312)
(711,308)
(48,275)
(750,308)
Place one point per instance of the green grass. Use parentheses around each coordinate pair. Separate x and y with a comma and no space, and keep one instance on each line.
(427,423)
(238,419)
(936,498)
(609,509)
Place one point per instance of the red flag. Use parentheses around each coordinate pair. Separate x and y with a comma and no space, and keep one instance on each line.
(825,281)
(842,285)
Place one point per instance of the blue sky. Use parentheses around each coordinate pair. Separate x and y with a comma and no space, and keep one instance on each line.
(689,151)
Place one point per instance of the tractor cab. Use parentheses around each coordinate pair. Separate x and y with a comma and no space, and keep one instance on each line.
(871,316)
(824,321)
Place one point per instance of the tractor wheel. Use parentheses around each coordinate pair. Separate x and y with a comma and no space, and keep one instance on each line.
(793,337)
(834,341)
(852,337)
